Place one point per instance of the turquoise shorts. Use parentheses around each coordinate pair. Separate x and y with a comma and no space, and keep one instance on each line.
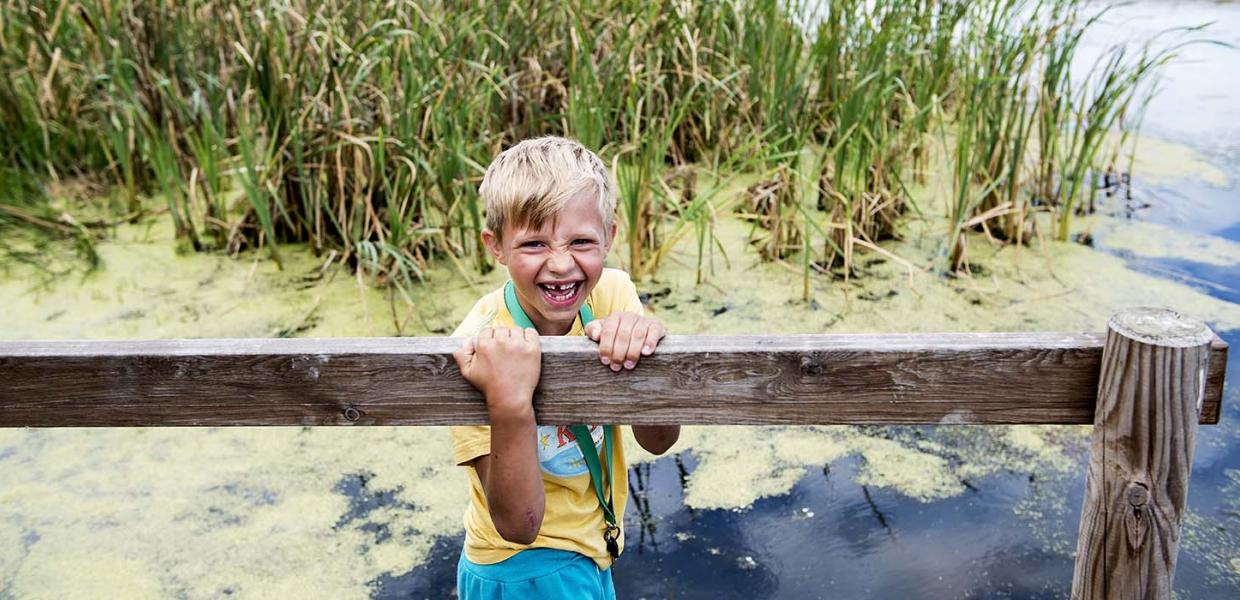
(535,573)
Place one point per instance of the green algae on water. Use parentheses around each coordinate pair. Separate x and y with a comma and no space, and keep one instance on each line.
(1215,536)
(738,466)
(1162,162)
(1150,240)
(201,513)
(145,289)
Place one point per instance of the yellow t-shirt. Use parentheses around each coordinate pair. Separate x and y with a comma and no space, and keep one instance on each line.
(572,519)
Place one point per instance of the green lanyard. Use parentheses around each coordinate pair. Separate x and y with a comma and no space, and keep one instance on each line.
(582,433)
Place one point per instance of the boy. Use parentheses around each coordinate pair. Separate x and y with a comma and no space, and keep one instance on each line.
(544,517)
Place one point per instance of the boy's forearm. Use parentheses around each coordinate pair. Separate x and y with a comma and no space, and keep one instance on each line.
(514,484)
(656,439)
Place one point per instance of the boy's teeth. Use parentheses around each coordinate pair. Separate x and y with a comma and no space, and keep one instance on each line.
(560,292)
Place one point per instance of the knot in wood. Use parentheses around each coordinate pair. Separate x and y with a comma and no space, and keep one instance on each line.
(810,366)
(351,413)
(1138,494)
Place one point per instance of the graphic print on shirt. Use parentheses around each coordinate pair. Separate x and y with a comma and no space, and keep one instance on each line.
(558,452)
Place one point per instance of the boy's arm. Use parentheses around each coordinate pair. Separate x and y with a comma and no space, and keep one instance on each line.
(511,479)
(624,338)
(509,474)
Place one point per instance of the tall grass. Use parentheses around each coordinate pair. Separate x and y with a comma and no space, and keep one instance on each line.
(888,69)
(360,128)
(1030,124)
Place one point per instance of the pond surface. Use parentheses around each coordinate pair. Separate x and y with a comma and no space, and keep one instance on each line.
(744,512)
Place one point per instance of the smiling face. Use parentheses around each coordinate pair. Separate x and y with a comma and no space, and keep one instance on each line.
(554,267)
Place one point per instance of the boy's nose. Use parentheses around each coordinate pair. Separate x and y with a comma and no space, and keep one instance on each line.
(560,261)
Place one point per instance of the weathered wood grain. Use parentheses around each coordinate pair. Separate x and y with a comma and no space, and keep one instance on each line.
(792,379)
(1141,454)
(1211,409)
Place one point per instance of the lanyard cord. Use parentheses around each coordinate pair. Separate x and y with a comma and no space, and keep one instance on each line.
(586,442)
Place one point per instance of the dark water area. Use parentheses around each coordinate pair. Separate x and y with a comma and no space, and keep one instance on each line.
(1010,535)
(831,537)
(828,538)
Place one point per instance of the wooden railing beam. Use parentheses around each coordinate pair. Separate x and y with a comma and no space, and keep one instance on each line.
(995,378)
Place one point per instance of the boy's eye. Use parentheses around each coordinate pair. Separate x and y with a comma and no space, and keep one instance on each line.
(582,242)
(531,244)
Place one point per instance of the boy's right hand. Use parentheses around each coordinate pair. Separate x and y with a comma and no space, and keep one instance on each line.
(504,365)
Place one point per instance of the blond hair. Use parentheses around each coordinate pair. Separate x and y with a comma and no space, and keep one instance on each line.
(529,183)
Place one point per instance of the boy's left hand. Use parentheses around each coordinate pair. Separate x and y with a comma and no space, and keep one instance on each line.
(623,338)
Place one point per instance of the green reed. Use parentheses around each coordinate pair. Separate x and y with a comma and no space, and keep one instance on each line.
(361,128)
(1115,81)
(992,124)
(885,70)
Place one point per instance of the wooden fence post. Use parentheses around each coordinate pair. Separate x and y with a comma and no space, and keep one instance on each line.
(1149,395)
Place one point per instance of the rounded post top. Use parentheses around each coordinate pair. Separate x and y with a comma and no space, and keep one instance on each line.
(1160,327)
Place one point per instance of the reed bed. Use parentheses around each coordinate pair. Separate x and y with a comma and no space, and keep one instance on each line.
(360,128)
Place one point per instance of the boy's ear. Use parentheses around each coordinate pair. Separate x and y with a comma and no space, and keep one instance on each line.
(611,237)
(493,244)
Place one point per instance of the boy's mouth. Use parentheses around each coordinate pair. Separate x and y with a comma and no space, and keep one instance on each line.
(561,294)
